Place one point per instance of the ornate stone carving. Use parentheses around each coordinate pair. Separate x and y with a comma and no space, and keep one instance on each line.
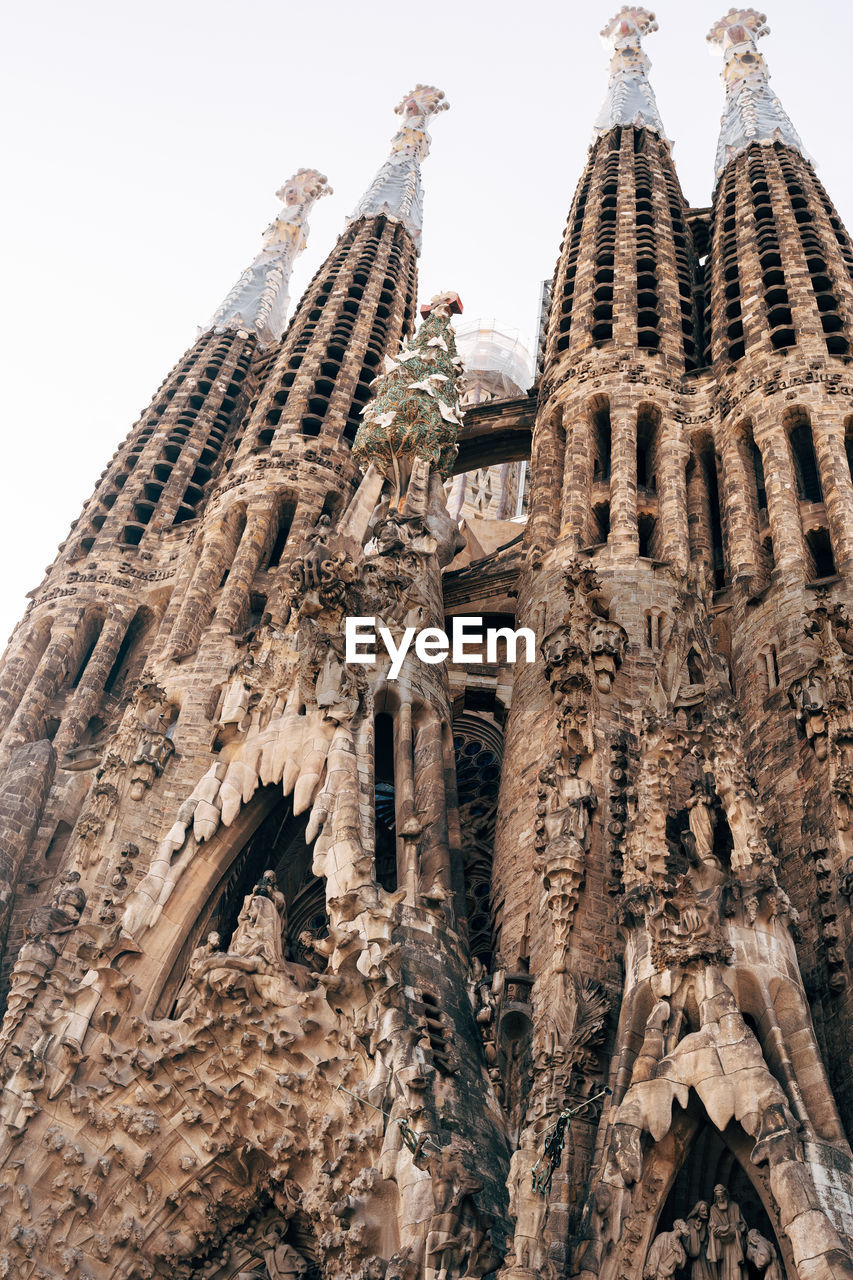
(563,811)
(45,935)
(584,652)
(155,717)
(667,1254)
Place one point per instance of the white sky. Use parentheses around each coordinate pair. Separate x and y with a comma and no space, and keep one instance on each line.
(147,140)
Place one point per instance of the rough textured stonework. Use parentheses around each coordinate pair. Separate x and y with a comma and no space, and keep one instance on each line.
(499,968)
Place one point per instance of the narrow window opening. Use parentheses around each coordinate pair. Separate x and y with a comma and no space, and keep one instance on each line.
(805,463)
(820,552)
(385,803)
(285,520)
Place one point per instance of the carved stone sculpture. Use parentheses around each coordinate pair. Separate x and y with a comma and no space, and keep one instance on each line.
(565,804)
(667,1255)
(726,1231)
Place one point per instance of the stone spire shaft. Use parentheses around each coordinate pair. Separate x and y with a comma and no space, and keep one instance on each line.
(753,113)
(396,190)
(630,99)
(258,301)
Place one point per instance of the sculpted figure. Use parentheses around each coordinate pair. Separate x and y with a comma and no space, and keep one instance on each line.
(526,1206)
(666,1256)
(726,1231)
(562,837)
(762,1254)
(155,717)
(450,1234)
(235,705)
(700,817)
(254,962)
(697,1242)
(261,923)
(44,936)
(281,1259)
(312,561)
(191,991)
(845,879)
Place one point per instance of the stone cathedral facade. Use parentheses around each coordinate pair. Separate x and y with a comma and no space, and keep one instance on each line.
(530,959)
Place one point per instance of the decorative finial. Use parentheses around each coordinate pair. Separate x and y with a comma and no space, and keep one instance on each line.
(629,99)
(396,189)
(414,413)
(450,301)
(752,113)
(258,302)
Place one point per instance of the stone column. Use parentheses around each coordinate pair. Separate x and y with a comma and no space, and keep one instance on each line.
(18,670)
(672,494)
(623,542)
(546,470)
(404,802)
(578,471)
(699,521)
(89,693)
(738,501)
(28,721)
(431,804)
(835,482)
(220,544)
(254,542)
(783,507)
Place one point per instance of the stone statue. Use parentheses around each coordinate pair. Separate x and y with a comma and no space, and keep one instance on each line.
(726,1231)
(155,717)
(666,1256)
(845,878)
(562,837)
(44,937)
(526,1206)
(281,1259)
(261,923)
(701,820)
(317,553)
(697,1242)
(190,993)
(762,1255)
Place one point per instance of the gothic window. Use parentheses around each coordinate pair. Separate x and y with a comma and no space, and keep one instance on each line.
(821,561)
(654,629)
(648,423)
(131,655)
(770,661)
(825,296)
(385,812)
(93,626)
(605,249)
(286,512)
(805,463)
(601,440)
(646,526)
(601,523)
(727,235)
